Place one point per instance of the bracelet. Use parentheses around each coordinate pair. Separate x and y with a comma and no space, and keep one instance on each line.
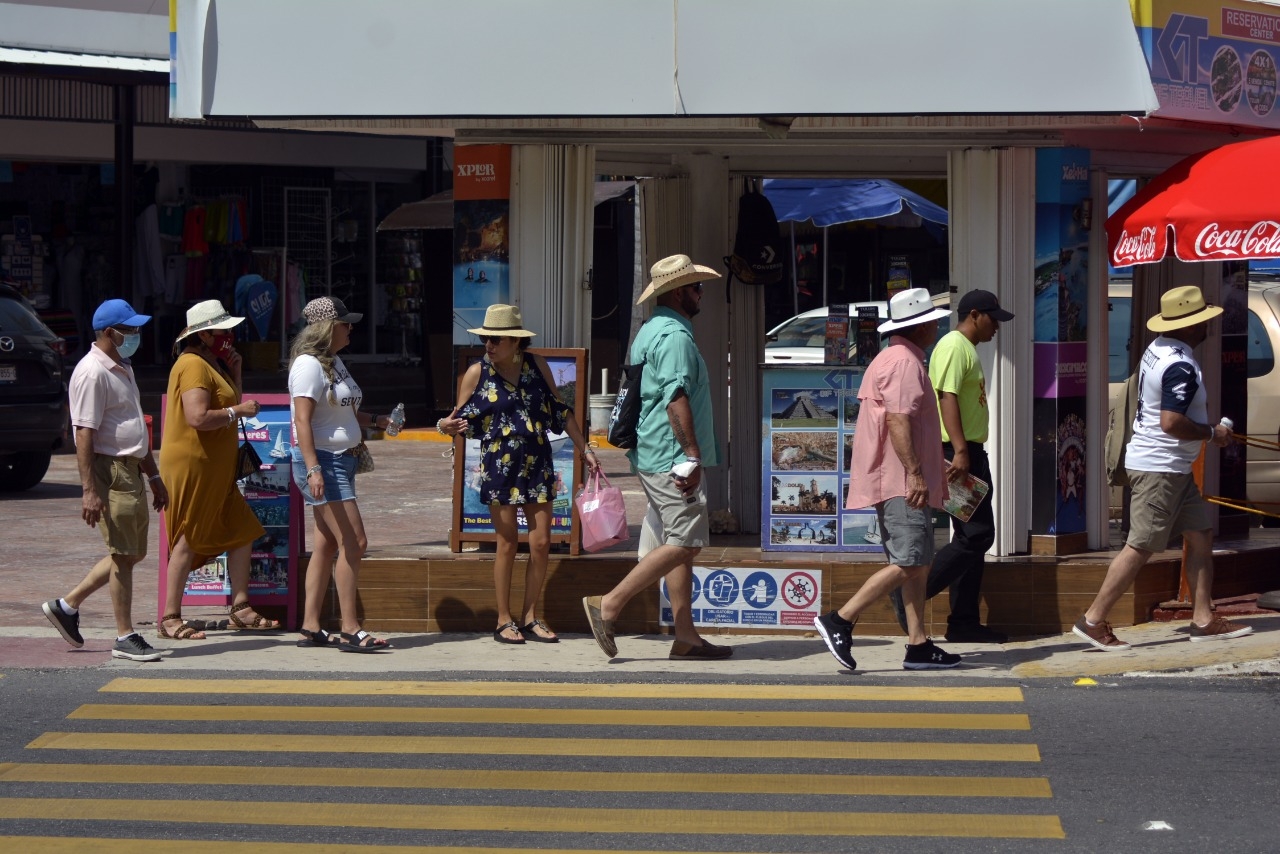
(694,460)
(153,478)
(440,429)
(313,470)
(231,415)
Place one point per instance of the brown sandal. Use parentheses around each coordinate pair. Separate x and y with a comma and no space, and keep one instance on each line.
(185,631)
(259,623)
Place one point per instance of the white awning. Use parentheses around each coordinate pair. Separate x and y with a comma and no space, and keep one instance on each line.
(659,58)
(83,60)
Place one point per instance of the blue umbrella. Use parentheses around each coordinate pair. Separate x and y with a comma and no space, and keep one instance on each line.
(831,201)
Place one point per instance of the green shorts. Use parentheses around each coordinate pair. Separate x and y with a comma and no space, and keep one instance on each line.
(118,481)
(1162,506)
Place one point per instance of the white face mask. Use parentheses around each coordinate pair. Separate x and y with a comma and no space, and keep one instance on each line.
(130,344)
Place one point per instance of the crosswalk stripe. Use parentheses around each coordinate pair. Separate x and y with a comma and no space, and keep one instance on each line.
(538,819)
(560,717)
(146,742)
(376,688)
(564,781)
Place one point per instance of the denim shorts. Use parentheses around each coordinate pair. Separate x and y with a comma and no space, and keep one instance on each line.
(338,470)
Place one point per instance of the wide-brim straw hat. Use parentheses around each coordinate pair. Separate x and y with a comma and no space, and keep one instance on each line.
(911,308)
(503,320)
(208,315)
(674,271)
(1179,307)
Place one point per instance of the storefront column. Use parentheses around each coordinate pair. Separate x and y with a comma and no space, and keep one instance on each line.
(1097,493)
(552,226)
(992,217)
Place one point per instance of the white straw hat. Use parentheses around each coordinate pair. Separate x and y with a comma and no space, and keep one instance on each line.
(1179,307)
(674,271)
(208,315)
(911,308)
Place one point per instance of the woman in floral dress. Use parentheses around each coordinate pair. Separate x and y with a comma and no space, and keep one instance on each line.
(508,401)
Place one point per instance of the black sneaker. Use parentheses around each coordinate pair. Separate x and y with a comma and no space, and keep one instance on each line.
(976,633)
(928,656)
(68,625)
(839,638)
(135,648)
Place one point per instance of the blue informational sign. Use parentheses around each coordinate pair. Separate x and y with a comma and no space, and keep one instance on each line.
(737,597)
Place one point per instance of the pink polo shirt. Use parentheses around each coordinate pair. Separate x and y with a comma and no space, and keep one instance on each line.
(104,396)
(896,381)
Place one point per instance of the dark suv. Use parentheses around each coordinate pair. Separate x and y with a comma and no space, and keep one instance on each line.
(33,393)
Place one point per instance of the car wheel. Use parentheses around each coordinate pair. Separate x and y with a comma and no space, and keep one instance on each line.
(23,471)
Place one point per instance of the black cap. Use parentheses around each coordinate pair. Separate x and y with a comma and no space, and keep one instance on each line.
(985,302)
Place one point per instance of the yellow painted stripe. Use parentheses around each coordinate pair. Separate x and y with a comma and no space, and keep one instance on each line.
(536,819)
(392,688)
(500,746)
(557,717)
(112,845)
(563,781)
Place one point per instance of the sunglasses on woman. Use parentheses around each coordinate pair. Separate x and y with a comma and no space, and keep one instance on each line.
(491,339)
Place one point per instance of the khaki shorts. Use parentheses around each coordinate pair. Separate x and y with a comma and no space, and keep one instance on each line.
(118,481)
(907,532)
(1162,506)
(685,520)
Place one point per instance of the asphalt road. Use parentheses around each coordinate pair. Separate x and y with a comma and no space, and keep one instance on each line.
(109,760)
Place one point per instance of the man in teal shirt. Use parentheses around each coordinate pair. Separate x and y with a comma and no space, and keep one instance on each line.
(675,439)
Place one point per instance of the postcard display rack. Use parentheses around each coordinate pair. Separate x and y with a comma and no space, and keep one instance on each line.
(809,417)
(400,271)
(275,500)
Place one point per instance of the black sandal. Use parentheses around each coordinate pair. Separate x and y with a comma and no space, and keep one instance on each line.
(361,641)
(501,638)
(318,638)
(530,632)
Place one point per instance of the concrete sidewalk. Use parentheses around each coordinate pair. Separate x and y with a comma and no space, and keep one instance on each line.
(407,508)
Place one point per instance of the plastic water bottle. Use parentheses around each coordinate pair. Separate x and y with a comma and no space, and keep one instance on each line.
(395,420)
(1228,423)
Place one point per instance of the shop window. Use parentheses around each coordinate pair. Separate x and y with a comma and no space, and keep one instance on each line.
(1262,357)
(1119,330)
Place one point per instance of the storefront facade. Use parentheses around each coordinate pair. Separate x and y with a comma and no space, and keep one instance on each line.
(667,94)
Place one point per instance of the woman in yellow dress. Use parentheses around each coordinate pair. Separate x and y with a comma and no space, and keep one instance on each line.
(207,514)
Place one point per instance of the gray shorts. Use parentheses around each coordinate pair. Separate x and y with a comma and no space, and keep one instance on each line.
(1162,506)
(685,520)
(907,532)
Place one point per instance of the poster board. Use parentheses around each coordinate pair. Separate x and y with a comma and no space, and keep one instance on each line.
(275,500)
(471,521)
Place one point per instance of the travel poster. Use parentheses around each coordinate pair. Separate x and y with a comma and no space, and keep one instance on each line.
(481,234)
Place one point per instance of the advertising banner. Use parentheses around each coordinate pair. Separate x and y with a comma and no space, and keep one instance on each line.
(750,597)
(1212,61)
(481,234)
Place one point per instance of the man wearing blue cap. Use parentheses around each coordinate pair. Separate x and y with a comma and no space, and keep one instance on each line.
(113,452)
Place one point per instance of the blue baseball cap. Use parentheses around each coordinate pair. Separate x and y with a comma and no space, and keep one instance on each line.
(117,312)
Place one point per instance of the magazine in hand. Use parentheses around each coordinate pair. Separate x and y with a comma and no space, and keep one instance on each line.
(966,494)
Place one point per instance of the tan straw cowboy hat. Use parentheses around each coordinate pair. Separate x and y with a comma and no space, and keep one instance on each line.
(208,315)
(503,320)
(673,272)
(1179,307)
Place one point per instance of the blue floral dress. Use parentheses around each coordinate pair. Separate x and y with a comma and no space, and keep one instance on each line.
(511,423)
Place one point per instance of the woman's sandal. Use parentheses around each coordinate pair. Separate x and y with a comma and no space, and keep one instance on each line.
(317,638)
(502,638)
(361,641)
(186,630)
(530,632)
(259,623)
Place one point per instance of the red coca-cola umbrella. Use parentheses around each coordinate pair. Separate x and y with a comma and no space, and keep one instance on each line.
(1222,205)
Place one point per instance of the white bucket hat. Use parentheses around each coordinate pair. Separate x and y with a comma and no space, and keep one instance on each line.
(911,308)
(208,315)
(503,320)
(674,271)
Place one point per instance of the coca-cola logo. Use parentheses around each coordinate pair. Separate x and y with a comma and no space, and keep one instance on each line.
(1137,248)
(1260,240)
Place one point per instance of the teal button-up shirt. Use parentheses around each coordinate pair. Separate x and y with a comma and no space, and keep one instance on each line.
(671,363)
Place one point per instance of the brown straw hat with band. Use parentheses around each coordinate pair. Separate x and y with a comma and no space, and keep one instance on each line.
(674,271)
(503,320)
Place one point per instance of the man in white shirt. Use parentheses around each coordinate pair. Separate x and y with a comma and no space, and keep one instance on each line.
(1169,429)
(113,453)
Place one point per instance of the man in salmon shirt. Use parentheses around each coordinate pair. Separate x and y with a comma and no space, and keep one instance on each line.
(897,468)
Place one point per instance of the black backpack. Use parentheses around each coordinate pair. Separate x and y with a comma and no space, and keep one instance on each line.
(757,246)
(626,409)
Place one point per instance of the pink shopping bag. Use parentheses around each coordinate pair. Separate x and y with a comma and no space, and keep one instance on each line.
(602,514)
